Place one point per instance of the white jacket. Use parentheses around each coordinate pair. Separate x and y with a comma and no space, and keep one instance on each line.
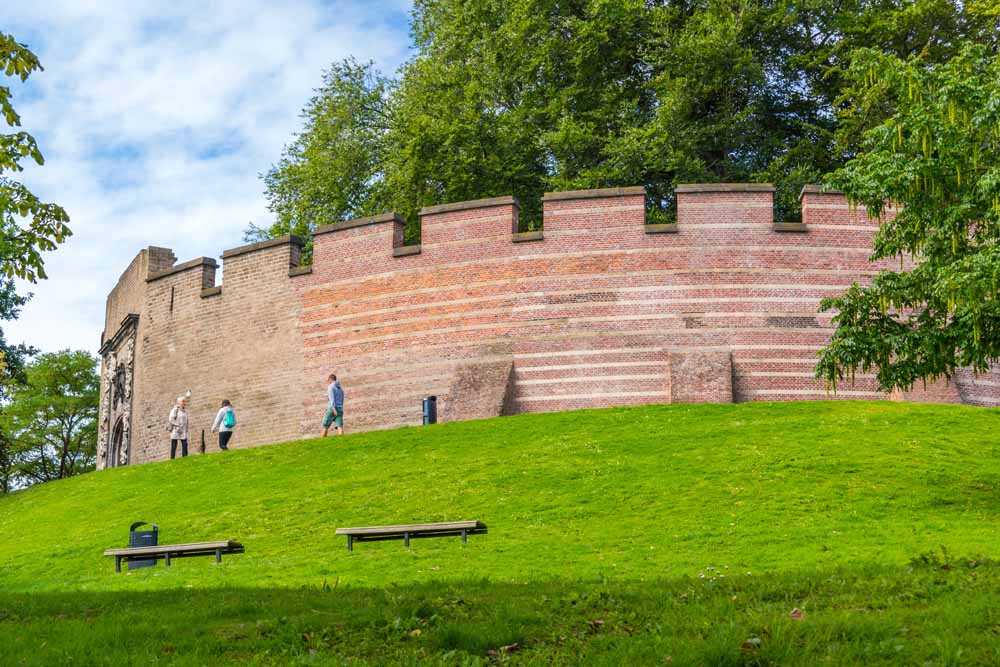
(178,423)
(218,424)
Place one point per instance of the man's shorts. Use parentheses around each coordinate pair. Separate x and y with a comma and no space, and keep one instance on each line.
(329,419)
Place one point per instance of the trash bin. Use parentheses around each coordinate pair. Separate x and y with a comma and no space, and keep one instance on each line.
(430,410)
(142,538)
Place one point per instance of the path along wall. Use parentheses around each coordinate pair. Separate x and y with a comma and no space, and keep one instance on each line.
(598,310)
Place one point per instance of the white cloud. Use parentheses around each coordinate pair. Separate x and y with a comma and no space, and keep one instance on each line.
(156,119)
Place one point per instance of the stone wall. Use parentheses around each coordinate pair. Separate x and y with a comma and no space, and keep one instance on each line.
(598,310)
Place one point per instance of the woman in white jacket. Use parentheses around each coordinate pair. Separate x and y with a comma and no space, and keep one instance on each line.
(225,422)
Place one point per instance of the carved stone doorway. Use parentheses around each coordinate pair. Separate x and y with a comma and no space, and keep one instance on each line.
(114,441)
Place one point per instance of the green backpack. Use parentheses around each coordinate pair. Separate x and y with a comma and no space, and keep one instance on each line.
(229,420)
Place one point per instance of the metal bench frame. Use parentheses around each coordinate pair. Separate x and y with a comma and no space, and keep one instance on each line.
(412,531)
(167,552)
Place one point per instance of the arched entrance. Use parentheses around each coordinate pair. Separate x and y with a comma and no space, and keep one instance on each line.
(117,438)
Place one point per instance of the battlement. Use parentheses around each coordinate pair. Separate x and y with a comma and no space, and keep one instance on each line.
(598,309)
(737,212)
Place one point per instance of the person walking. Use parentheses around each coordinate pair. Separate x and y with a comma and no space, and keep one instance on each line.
(177,424)
(225,422)
(334,406)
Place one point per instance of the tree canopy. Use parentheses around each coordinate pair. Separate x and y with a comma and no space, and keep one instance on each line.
(929,167)
(48,430)
(524,96)
(28,226)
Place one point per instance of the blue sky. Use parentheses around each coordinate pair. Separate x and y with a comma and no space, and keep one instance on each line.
(156,119)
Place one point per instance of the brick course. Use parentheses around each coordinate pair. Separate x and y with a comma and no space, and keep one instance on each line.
(593,312)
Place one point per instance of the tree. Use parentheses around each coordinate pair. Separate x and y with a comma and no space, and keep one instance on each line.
(332,171)
(51,420)
(28,226)
(524,96)
(929,168)
(12,373)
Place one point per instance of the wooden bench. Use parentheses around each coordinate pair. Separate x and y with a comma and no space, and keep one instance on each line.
(405,533)
(169,551)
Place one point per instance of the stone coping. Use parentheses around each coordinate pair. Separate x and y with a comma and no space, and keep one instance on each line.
(406,250)
(211,291)
(524,237)
(817,190)
(663,228)
(300,270)
(724,187)
(359,222)
(465,205)
(178,268)
(287,239)
(594,194)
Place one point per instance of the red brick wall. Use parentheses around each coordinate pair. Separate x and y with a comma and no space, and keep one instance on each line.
(599,310)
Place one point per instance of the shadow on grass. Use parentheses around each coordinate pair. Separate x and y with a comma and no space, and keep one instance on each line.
(933,612)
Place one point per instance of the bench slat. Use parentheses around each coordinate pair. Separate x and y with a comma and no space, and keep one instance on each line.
(174,548)
(412,528)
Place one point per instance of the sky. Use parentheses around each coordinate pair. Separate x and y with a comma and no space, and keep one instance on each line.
(156,120)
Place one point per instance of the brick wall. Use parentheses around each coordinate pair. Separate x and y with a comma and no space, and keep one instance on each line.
(598,310)
(238,341)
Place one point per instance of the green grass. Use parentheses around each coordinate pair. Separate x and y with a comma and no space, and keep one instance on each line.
(685,530)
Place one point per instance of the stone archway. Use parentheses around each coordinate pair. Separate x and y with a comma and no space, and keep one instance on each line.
(115,421)
(117,446)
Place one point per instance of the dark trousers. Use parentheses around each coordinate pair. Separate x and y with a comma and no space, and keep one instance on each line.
(224,437)
(173,447)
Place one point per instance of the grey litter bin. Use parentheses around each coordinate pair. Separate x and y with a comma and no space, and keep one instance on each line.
(430,410)
(142,538)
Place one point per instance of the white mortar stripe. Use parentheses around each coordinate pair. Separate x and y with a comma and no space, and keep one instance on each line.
(849,276)
(533,324)
(591,335)
(661,377)
(515,296)
(560,212)
(773,360)
(552,306)
(810,392)
(613,364)
(776,347)
(577,397)
(667,302)
(357,385)
(518,324)
(504,217)
(350,401)
(781,374)
(740,249)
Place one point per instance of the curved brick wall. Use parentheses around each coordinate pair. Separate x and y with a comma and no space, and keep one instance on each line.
(600,310)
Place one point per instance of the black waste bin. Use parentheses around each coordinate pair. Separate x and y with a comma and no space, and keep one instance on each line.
(142,538)
(430,410)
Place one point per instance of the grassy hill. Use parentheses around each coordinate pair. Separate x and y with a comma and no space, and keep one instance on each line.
(623,535)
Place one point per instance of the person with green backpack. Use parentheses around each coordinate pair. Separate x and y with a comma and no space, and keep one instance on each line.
(225,422)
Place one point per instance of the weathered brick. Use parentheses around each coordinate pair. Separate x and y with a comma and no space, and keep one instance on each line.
(595,312)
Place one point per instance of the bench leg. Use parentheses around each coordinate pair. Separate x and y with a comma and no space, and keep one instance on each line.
(118,563)
(406,540)
(166,559)
(218,555)
(465,537)
(350,543)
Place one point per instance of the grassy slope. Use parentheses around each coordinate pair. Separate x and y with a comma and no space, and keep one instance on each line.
(637,503)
